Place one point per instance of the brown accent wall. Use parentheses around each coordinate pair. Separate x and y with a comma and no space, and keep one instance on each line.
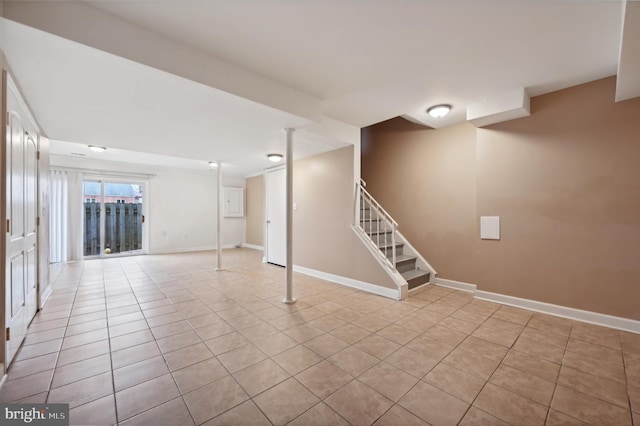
(255,210)
(323,190)
(564,181)
(425,179)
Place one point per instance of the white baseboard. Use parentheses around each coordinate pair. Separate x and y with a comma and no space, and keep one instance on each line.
(391,293)
(458,285)
(190,249)
(605,320)
(252,246)
(610,321)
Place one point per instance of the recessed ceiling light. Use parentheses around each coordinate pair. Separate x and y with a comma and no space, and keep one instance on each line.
(96,148)
(439,111)
(213,164)
(274,157)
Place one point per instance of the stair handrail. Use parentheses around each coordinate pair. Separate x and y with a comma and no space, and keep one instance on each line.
(389,225)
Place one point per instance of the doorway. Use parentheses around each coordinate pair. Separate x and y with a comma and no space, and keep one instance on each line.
(113,218)
(276,213)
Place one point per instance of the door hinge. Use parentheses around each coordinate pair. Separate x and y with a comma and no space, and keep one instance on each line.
(8,334)
(38,155)
(8,226)
(38,221)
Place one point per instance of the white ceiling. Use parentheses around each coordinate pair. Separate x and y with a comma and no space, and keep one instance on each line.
(355,61)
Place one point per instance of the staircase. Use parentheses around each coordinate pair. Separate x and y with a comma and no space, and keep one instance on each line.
(405,264)
(380,232)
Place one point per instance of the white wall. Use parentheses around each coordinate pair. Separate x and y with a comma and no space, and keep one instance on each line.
(181,213)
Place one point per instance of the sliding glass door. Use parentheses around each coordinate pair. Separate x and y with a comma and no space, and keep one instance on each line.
(113,218)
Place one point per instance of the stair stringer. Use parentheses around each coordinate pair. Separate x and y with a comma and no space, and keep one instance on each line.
(401,284)
(421,262)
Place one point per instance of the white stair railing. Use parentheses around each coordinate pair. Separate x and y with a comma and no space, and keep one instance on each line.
(378,225)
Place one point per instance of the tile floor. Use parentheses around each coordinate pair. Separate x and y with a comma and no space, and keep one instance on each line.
(166,340)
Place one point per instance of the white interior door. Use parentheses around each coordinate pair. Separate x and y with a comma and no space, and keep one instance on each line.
(276,216)
(22,207)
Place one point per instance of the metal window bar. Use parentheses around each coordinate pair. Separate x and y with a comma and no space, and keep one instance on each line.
(384,223)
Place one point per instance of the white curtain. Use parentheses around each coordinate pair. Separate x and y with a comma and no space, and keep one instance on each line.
(66,216)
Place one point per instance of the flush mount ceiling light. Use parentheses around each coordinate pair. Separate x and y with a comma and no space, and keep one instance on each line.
(439,111)
(96,148)
(213,164)
(274,157)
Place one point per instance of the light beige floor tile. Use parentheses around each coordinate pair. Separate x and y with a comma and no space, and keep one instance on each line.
(445,335)
(129,340)
(202,320)
(324,378)
(81,370)
(587,364)
(589,409)
(533,365)
(128,327)
(245,414)
(514,315)
(217,329)
(353,360)
(377,346)
(542,350)
(319,415)
(134,354)
(32,365)
(510,407)
(214,399)
(556,418)
(164,319)
(285,402)
(178,341)
(186,356)
(327,322)
(326,345)
(296,359)
(606,389)
(274,344)
(139,372)
(500,337)
(524,384)
(455,382)
(601,353)
(430,348)
(174,413)
(634,398)
(358,403)
(241,357)
(459,325)
(398,334)
(146,395)
(260,377)
(477,417)
(350,333)
(433,405)
(258,331)
(82,391)
(397,415)
(43,336)
(171,329)
(99,412)
(199,374)
(25,386)
(303,332)
(411,362)
(388,380)
(38,349)
(487,349)
(226,343)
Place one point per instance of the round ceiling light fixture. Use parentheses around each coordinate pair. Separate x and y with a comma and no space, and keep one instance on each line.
(439,111)
(96,148)
(275,158)
(213,164)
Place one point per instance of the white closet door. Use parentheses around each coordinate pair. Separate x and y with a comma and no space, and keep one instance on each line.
(276,216)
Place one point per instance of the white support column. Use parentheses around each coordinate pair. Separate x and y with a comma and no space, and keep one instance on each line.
(219,218)
(288,297)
